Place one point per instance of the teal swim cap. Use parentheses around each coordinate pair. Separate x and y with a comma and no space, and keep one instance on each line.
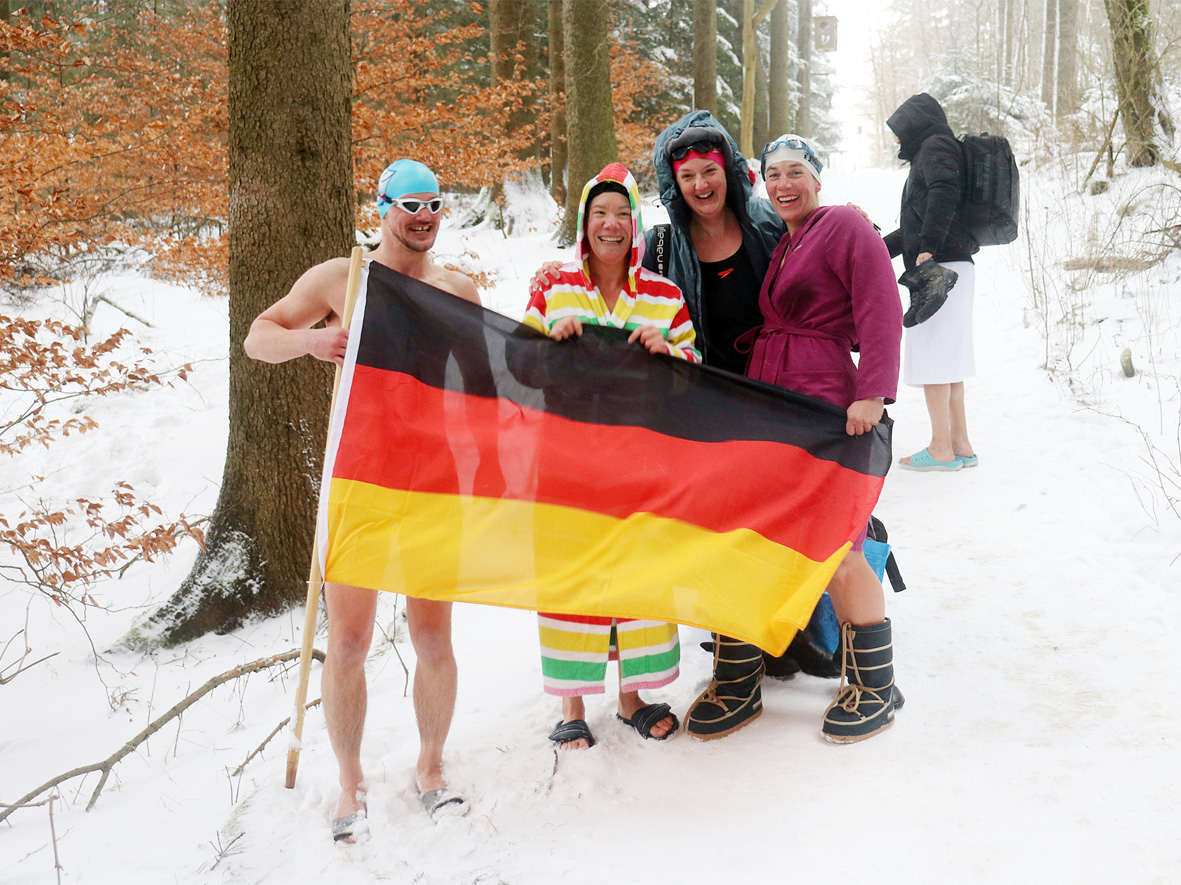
(404,177)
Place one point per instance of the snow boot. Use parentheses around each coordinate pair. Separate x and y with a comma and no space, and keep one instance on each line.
(734,698)
(782,666)
(929,284)
(867,697)
(810,657)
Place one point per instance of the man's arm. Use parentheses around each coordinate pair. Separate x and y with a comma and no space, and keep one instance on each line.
(284,330)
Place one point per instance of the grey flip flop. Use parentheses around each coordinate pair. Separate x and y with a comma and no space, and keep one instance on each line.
(443,803)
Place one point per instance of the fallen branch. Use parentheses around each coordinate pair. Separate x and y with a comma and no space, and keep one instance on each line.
(278,728)
(1106,143)
(119,307)
(57,865)
(111,761)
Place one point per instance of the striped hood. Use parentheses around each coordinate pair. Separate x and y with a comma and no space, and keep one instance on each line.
(618,173)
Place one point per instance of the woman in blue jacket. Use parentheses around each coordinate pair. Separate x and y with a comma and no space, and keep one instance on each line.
(717,248)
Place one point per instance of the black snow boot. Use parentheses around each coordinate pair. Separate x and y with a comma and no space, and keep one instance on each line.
(734,697)
(808,656)
(867,697)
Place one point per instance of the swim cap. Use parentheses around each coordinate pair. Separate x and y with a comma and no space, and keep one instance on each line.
(792,147)
(404,177)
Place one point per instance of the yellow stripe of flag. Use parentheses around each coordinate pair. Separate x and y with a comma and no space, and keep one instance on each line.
(560,559)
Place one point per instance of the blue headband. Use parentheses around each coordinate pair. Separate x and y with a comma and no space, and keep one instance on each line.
(401,178)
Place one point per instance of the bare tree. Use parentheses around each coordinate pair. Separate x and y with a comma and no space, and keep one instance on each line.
(1067,93)
(804,76)
(1136,77)
(1049,45)
(590,121)
(512,48)
(761,117)
(557,91)
(291,205)
(705,55)
(780,71)
(750,23)
(5,12)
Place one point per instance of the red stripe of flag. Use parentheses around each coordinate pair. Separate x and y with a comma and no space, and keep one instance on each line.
(390,415)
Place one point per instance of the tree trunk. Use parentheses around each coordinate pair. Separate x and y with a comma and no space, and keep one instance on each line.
(5,12)
(1006,37)
(804,42)
(729,111)
(590,119)
(779,86)
(1067,102)
(512,50)
(291,205)
(761,110)
(751,19)
(1135,77)
(557,92)
(746,137)
(705,55)
(1001,29)
(1050,42)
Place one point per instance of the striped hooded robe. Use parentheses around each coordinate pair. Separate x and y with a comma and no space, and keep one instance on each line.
(575,649)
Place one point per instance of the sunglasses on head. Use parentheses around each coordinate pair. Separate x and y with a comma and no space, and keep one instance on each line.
(413,206)
(698,147)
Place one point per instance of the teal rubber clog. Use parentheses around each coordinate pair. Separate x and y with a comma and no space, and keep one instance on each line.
(923,461)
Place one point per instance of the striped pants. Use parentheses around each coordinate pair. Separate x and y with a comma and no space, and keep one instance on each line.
(575,650)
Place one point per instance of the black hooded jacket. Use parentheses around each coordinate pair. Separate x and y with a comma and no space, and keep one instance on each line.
(933,190)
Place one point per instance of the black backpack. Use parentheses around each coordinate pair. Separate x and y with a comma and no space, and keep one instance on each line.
(662,248)
(992,192)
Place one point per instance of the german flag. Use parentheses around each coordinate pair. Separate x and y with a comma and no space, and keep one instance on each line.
(473,459)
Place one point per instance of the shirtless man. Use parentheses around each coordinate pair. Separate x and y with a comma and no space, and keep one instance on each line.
(409,204)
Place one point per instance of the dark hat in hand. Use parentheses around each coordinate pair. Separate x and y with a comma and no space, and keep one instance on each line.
(929,284)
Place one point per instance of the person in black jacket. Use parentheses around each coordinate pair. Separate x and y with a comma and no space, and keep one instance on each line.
(938,355)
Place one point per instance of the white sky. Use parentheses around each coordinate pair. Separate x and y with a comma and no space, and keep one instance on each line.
(857,20)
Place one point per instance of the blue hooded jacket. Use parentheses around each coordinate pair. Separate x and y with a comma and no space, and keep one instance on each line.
(761,227)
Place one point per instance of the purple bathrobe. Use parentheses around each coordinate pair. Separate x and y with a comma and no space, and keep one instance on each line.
(835,289)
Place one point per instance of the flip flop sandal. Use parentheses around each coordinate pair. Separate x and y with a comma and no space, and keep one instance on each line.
(443,803)
(968,460)
(351,828)
(646,717)
(923,461)
(572,731)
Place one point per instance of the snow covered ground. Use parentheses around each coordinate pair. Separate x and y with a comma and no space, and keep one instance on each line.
(1035,646)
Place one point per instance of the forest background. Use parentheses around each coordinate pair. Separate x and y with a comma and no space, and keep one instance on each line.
(128,138)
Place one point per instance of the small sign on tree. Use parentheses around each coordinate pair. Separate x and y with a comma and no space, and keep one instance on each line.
(825,33)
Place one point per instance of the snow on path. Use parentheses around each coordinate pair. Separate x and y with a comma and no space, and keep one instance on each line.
(1034,645)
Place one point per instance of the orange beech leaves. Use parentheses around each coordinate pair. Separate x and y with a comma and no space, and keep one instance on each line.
(111,135)
(59,550)
(113,129)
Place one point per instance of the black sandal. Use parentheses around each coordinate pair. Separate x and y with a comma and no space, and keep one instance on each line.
(575,729)
(647,716)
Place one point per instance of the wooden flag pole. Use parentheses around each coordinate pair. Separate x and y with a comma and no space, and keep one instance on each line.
(315,576)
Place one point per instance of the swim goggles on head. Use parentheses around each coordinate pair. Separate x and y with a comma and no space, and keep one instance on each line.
(792,143)
(413,206)
(698,147)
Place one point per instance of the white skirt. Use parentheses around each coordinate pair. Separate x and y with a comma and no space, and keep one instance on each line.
(939,351)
